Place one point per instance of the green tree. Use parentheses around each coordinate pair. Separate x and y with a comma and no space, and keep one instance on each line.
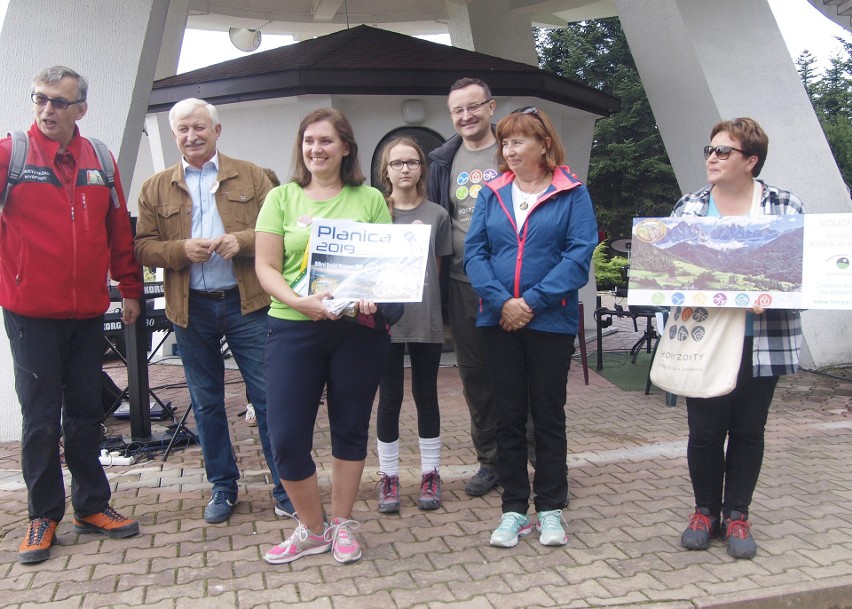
(630,174)
(831,96)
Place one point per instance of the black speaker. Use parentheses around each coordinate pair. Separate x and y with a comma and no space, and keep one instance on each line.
(109,392)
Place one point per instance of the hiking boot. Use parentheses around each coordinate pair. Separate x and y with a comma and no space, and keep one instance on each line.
(220,508)
(388,494)
(701,529)
(482,482)
(345,548)
(512,525)
(40,535)
(302,542)
(284,508)
(109,523)
(550,527)
(735,531)
(251,417)
(430,491)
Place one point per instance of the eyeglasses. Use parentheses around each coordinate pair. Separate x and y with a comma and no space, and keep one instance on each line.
(411,165)
(722,152)
(471,109)
(58,104)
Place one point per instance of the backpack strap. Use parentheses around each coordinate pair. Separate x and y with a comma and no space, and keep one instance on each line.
(17,162)
(108,167)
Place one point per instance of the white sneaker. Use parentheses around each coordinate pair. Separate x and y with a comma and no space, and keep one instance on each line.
(251,418)
(512,525)
(550,527)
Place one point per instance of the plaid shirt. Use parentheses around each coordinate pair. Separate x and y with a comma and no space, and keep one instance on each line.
(778,332)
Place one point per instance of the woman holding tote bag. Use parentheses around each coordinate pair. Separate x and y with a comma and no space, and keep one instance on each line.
(723,480)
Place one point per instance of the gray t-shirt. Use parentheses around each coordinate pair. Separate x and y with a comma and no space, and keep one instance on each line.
(471,169)
(422,322)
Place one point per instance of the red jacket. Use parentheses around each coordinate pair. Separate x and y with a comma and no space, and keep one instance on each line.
(61,237)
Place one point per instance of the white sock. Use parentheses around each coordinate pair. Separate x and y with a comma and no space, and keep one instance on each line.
(430,455)
(388,457)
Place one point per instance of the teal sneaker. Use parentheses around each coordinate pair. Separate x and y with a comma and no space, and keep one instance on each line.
(512,525)
(550,527)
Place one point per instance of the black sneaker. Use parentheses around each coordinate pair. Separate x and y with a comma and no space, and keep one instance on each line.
(482,482)
(702,528)
(735,531)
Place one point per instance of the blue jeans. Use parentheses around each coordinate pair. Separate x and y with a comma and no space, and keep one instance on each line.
(200,349)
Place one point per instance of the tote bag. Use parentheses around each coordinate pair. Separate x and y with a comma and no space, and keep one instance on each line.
(700,351)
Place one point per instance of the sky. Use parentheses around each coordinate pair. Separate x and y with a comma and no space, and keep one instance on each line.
(802,26)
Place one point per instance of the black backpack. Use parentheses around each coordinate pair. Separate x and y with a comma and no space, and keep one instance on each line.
(18,159)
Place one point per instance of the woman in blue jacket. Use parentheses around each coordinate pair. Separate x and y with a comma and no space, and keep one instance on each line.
(527,253)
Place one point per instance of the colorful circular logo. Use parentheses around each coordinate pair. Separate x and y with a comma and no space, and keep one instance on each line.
(678,298)
(658,298)
(764,301)
(489,174)
(700,298)
(461,193)
(742,300)
(476,176)
(463,178)
(474,190)
(720,299)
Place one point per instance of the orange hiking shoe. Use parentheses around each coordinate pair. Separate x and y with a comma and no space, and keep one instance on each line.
(35,546)
(109,523)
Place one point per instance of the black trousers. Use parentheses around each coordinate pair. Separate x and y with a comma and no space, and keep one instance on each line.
(425,360)
(724,478)
(58,381)
(529,374)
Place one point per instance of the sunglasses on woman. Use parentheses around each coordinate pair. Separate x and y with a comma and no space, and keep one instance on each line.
(722,152)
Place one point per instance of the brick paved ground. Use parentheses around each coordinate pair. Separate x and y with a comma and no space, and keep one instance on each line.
(630,500)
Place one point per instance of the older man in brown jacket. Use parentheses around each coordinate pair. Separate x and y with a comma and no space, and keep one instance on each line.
(196,221)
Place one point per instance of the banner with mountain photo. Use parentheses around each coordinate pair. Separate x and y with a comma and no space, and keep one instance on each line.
(779,262)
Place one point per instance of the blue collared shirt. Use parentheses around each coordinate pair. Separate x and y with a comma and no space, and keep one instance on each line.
(217,273)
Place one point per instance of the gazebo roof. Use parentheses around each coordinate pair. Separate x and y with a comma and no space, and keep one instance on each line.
(365,60)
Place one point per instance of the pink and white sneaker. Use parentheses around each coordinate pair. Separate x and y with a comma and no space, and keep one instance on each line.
(345,548)
(301,543)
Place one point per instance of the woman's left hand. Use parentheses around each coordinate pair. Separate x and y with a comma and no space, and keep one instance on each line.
(515,315)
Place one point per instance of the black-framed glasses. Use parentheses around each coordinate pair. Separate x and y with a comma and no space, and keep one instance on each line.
(471,109)
(410,165)
(722,152)
(58,103)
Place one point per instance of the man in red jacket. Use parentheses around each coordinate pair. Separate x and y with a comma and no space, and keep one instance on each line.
(61,237)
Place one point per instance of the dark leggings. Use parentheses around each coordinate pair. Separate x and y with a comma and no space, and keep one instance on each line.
(425,359)
(302,357)
(724,480)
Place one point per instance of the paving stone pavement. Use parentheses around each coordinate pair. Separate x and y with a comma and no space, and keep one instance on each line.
(630,500)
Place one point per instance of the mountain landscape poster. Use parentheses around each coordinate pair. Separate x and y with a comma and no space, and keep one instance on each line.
(795,261)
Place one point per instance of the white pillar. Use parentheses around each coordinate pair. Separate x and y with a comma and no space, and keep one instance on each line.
(703,61)
(491,27)
(115,45)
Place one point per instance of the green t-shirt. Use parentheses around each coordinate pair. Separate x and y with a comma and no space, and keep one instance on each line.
(289,213)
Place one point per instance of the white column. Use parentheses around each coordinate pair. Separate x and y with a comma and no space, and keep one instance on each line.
(491,27)
(704,61)
(115,45)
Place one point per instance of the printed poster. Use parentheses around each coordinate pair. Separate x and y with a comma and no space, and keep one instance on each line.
(379,262)
(782,262)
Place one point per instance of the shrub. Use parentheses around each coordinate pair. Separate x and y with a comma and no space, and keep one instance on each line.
(608,271)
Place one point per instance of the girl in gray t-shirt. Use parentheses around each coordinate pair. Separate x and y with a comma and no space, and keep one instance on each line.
(421,329)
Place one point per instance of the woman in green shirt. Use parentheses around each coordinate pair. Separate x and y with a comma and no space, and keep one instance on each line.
(309,348)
